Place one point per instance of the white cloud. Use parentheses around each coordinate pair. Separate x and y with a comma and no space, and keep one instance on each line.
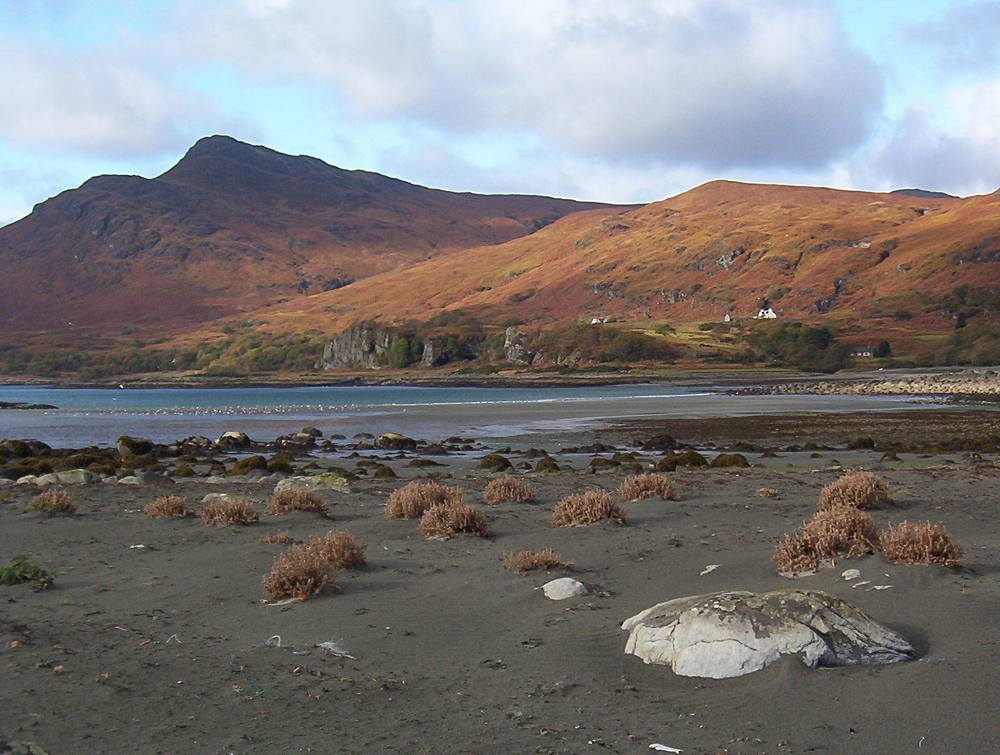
(96,102)
(953,147)
(724,84)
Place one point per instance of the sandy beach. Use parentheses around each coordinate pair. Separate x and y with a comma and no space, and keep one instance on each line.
(168,647)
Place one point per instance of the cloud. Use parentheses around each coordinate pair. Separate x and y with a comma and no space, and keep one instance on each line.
(726,84)
(93,102)
(953,147)
(966,35)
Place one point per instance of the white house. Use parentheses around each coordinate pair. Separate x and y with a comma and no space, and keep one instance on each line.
(767,314)
(727,318)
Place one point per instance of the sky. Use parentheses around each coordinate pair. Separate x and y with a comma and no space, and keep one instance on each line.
(615,100)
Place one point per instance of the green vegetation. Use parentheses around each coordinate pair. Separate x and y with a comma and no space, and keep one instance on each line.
(794,344)
(21,570)
(600,343)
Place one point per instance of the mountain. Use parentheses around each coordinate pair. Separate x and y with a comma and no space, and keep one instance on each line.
(923,193)
(724,247)
(230,228)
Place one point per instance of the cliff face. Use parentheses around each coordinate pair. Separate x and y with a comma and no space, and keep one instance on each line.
(361,347)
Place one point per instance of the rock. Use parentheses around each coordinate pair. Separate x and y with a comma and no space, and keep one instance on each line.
(130,480)
(727,634)
(327,481)
(395,442)
(68,477)
(233,440)
(136,446)
(247,465)
(546,465)
(565,587)
(211,497)
(849,574)
(724,461)
(660,442)
(4,482)
(28,479)
(315,432)
(495,463)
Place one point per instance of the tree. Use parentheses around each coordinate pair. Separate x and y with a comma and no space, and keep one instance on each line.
(883,350)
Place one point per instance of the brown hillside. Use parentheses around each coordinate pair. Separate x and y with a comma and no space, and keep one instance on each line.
(723,247)
(230,228)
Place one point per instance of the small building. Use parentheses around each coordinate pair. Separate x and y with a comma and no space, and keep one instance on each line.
(767,314)
(863,352)
(727,318)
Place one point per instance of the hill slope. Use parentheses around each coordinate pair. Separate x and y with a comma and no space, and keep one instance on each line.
(232,227)
(811,253)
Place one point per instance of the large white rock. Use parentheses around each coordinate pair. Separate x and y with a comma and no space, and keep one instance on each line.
(68,477)
(728,634)
(565,587)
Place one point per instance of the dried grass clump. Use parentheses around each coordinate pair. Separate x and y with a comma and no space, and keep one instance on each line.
(53,503)
(340,549)
(515,489)
(641,486)
(168,507)
(587,508)
(283,501)
(543,560)
(445,520)
(224,512)
(836,532)
(920,543)
(860,490)
(281,537)
(412,500)
(300,572)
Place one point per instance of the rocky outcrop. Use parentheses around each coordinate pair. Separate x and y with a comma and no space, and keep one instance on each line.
(727,634)
(966,383)
(356,347)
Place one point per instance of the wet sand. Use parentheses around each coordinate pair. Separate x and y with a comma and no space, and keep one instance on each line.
(164,648)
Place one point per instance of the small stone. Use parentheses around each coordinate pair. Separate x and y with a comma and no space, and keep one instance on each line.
(564,587)
(851,574)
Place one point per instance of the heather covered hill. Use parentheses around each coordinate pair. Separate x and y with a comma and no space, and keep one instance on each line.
(810,253)
(230,228)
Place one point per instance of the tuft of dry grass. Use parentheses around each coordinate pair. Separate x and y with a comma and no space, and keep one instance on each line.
(341,549)
(920,543)
(836,532)
(413,500)
(53,503)
(860,490)
(445,520)
(641,486)
(515,489)
(281,537)
(299,572)
(283,501)
(587,508)
(541,560)
(168,507)
(223,512)
(767,493)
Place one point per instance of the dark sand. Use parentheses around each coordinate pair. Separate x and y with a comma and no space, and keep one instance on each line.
(162,648)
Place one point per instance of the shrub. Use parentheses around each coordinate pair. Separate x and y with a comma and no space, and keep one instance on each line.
(445,520)
(283,501)
(587,508)
(281,537)
(647,486)
(840,531)
(508,488)
(920,543)
(860,490)
(542,560)
(412,500)
(168,507)
(300,572)
(21,570)
(340,549)
(53,503)
(223,512)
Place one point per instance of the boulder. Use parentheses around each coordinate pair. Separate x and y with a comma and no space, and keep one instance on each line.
(135,446)
(327,481)
(234,440)
(68,477)
(495,463)
(727,634)
(564,587)
(395,442)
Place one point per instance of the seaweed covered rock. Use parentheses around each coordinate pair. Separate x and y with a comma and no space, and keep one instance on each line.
(727,461)
(395,442)
(727,634)
(495,463)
